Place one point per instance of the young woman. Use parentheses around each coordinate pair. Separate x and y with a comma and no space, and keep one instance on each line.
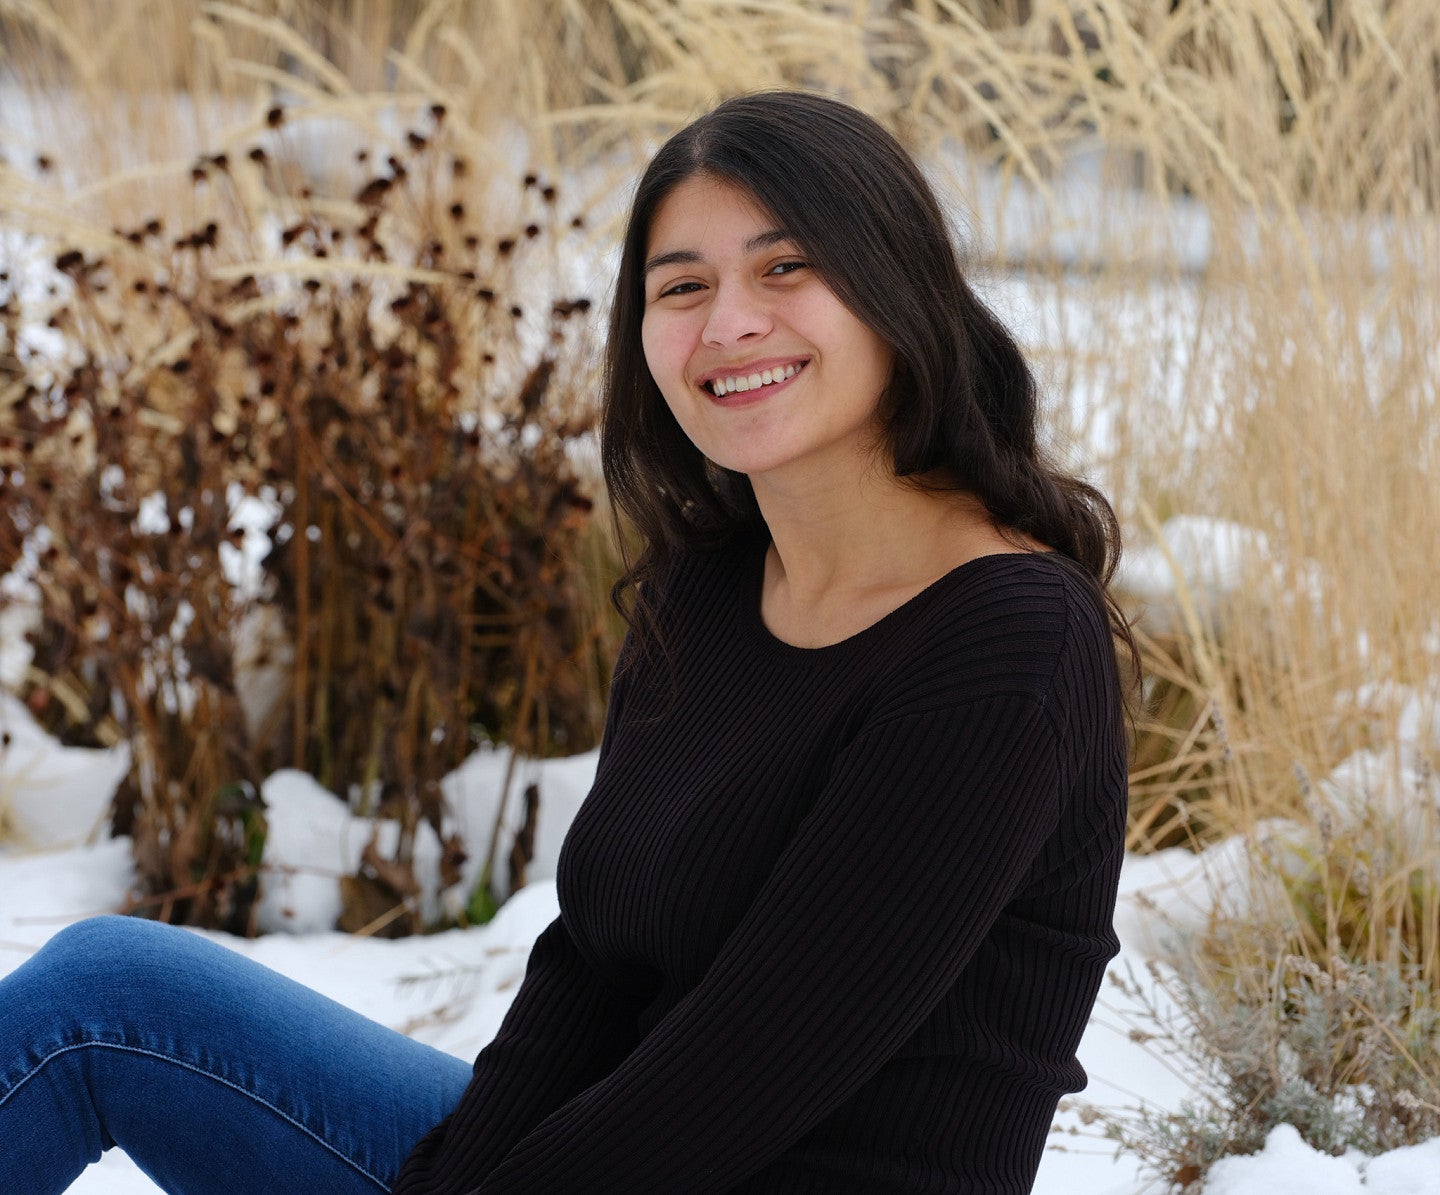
(835,912)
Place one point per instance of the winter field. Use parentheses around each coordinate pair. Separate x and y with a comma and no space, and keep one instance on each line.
(1211,226)
(451,989)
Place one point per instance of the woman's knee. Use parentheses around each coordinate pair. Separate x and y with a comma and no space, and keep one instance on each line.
(103,944)
(105,963)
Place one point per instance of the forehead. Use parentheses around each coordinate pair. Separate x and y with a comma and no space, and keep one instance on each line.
(705,210)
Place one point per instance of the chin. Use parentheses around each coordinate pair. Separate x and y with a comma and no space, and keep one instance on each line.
(749,465)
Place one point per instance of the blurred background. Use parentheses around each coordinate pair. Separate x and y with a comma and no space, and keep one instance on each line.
(300,311)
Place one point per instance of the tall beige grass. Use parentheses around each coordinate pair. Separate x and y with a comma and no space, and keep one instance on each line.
(1285,379)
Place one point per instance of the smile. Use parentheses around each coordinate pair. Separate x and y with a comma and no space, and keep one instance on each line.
(740,383)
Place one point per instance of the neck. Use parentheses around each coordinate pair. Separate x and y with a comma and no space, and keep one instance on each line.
(843,530)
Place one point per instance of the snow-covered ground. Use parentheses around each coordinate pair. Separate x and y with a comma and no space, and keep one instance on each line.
(452,989)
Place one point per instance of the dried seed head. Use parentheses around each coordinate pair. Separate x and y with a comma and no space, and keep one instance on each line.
(459,167)
(548,194)
(532,231)
(437,113)
(275,117)
(258,156)
(371,194)
(416,141)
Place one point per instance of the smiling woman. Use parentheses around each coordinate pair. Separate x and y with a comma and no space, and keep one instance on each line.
(835,911)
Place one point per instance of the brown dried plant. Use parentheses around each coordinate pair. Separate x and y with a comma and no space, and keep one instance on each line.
(400,382)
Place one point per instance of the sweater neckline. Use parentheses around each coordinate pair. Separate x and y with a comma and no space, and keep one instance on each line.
(753,591)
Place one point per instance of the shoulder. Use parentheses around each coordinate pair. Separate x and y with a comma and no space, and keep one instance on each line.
(1027,625)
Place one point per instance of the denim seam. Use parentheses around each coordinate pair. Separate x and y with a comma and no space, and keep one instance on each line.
(103,1045)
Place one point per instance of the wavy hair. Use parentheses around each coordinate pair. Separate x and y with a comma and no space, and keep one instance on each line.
(960,412)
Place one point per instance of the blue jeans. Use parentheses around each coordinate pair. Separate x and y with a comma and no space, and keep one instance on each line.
(214,1073)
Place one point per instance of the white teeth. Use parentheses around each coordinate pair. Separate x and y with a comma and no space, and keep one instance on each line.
(741,383)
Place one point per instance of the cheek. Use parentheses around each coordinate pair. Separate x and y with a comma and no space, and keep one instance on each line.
(664,355)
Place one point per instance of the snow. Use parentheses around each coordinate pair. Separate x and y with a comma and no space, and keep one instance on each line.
(67,791)
(1287,1166)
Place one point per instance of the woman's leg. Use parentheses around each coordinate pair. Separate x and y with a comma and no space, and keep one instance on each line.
(214,1073)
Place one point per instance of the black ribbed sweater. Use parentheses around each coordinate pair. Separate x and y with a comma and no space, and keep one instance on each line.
(831,920)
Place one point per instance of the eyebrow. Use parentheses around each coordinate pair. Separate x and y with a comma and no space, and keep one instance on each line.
(678,257)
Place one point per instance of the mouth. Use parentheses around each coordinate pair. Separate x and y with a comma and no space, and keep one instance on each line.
(728,386)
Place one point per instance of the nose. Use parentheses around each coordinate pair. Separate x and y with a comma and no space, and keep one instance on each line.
(736,313)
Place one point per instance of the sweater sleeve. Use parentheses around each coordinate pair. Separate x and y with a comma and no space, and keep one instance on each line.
(930,822)
(564,1030)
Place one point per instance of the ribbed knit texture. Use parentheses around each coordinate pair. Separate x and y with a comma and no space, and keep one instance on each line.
(831,920)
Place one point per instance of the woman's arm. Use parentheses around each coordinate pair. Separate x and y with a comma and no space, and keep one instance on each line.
(566,1028)
(929,825)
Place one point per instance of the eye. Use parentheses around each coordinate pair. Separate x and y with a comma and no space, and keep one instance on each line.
(679,288)
(789,267)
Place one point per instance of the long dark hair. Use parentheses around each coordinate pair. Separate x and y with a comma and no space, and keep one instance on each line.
(960,410)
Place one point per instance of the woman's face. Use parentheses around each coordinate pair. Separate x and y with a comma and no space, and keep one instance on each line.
(766,371)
